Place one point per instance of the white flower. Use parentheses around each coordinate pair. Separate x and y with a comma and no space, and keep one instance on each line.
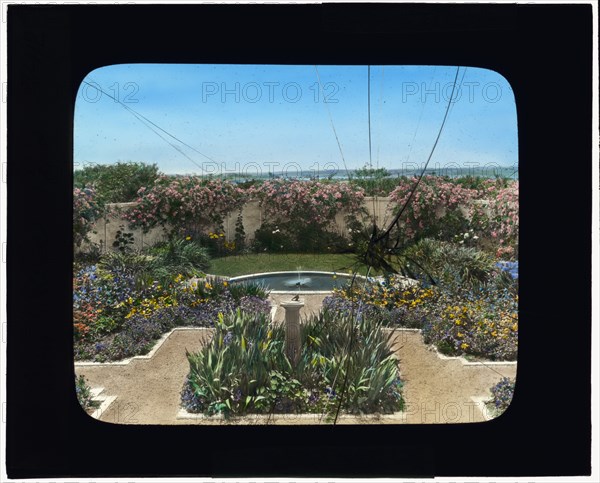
(475,237)
(462,241)
(466,235)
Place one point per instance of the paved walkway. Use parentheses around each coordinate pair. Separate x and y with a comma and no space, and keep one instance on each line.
(436,390)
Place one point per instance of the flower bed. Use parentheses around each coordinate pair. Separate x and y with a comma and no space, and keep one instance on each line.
(119,314)
(480,322)
(243,369)
(502,395)
(393,305)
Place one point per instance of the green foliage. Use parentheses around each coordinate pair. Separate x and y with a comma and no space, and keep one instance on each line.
(90,255)
(240,233)
(301,215)
(449,263)
(481,183)
(84,394)
(177,257)
(228,372)
(367,172)
(295,237)
(357,351)
(374,181)
(244,369)
(186,255)
(270,238)
(123,240)
(161,263)
(116,183)
(248,289)
(129,263)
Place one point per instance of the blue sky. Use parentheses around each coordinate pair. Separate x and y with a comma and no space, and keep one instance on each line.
(253,118)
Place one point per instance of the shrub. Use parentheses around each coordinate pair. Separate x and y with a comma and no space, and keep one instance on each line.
(186,205)
(300,215)
(127,263)
(160,264)
(248,288)
(435,208)
(498,219)
(86,210)
(183,256)
(505,221)
(116,183)
(84,394)
(446,209)
(449,263)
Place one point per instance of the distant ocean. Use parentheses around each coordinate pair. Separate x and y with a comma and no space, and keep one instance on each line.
(485,172)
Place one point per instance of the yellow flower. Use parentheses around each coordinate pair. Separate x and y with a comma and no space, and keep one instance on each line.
(459,334)
(207,286)
(464,345)
(494,334)
(188,238)
(225,283)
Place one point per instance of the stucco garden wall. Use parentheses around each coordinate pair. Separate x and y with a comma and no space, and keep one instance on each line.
(105,229)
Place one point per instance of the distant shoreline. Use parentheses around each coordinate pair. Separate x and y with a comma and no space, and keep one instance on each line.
(341,175)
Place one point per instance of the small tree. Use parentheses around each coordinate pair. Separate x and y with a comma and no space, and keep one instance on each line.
(116,183)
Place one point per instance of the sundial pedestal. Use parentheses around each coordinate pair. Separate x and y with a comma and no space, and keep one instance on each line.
(292,329)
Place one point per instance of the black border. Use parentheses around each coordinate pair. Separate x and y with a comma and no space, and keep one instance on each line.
(545,52)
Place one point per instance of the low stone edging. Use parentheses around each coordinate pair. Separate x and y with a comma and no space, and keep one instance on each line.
(304,418)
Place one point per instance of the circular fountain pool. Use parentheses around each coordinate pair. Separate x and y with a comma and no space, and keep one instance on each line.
(303,281)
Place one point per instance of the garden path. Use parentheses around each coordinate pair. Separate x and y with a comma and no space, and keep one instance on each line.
(436,390)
